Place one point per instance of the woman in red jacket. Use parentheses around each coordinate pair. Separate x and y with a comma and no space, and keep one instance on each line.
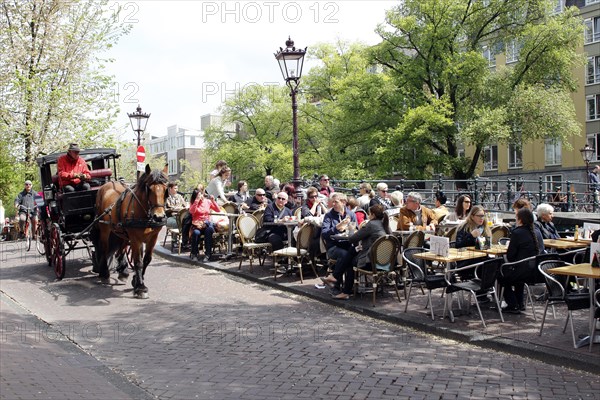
(201,224)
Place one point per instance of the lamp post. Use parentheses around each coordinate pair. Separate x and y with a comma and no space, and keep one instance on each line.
(587,153)
(138,120)
(291,61)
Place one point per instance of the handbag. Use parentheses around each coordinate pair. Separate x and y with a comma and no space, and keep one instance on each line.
(262,235)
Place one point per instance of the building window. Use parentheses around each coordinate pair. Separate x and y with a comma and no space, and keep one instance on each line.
(588,2)
(512,51)
(593,141)
(592,73)
(550,182)
(192,140)
(490,158)
(553,152)
(559,6)
(489,55)
(593,107)
(592,30)
(172,167)
(515,156)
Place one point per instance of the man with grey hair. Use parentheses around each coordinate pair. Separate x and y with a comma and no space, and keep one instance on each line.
(270,187)
(594,178)
(545,213)
(413,213)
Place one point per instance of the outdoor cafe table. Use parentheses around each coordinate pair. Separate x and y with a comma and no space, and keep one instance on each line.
(564,244)
(586,271)
(495,250)
(232,218)
(453,256)
(288,224)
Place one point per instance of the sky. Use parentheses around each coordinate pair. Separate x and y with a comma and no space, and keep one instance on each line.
(182,59)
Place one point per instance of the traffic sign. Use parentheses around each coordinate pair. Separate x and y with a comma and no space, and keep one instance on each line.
(141,154)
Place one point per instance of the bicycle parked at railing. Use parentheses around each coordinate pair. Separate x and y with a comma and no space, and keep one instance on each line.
(586,204)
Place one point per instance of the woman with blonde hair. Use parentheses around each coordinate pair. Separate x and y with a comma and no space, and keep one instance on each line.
(366,194)
(475,225)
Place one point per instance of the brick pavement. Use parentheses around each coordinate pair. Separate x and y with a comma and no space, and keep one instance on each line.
(204,334)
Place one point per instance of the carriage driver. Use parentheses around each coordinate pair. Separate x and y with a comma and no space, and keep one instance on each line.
(73,172)
(25,203)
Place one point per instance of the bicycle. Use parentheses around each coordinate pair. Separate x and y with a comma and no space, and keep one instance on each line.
(27,228)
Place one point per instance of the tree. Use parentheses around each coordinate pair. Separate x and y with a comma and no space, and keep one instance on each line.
(434,50)
(53,89)
(263,146)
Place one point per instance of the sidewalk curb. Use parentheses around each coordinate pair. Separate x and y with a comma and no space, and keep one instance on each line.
(547,355)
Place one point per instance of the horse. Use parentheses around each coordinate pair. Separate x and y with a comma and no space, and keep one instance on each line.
(129,217)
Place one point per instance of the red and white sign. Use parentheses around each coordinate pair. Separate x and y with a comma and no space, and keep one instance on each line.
(141,154)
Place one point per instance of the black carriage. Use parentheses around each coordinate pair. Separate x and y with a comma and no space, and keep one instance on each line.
(68,218)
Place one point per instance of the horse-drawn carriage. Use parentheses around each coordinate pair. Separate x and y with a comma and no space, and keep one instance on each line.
(67,219)
(111,220)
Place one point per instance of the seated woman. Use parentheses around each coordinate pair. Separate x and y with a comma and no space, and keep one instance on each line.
(466,236)
(545,213)
(525,241)
(201,224)
(242,196)
(379,225)
(313,212)
(463,206)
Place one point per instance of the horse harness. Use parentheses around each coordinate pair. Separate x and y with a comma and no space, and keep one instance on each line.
(120,227)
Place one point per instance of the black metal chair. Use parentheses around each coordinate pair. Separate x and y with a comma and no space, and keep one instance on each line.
(558,294)
(418,274)
(483,284)
(596,317)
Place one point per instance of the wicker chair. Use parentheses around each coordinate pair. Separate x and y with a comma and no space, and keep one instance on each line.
(299,253)
(247,225)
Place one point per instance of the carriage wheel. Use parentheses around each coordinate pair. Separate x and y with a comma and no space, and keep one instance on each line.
(57,257)
(40,242)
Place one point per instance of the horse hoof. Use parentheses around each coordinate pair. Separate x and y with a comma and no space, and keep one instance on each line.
(104,281)
(141,295)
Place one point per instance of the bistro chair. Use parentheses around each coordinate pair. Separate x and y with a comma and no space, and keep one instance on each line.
(175,233)
(247,225)
(558,294)
(572,256)
(382,258)
(415,239)
(419,275)
(299,253)
(499,232)
(451,235)
(258,214)
(481,285)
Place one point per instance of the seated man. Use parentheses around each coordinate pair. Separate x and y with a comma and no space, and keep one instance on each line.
(73,172)
(259,201)
(174,204)
(413,213)
(25,204)
(277,210)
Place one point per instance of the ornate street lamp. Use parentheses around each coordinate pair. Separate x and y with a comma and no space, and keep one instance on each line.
(138,120)
(291,61)
(587,153)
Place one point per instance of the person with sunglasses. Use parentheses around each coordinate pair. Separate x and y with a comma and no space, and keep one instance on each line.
(461,211)
(382,197)
(259,201)
(325,189)
(313,212)
(277,210)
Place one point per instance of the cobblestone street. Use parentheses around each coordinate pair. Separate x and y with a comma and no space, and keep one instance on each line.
(206,335)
